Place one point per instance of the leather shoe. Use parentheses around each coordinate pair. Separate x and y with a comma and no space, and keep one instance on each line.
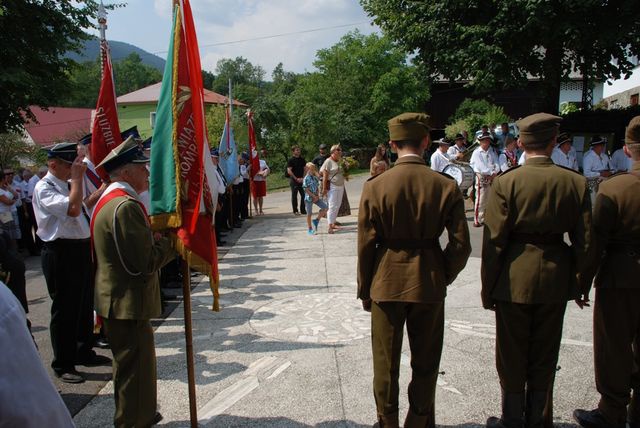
(156,418)
(221,243)
(70,376)
(593,419)
(102,343)
(93,359)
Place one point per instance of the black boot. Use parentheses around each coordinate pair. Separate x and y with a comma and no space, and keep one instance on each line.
(512,412)
(534,411)
(593,419)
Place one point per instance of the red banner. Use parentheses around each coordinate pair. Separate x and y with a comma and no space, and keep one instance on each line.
(105,132)
(253,148)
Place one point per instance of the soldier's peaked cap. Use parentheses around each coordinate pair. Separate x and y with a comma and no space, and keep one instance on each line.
(127,152)
(538,128)
(408,126)
(63,151)
(632,135)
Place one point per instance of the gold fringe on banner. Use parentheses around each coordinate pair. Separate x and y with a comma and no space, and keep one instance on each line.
(199,264)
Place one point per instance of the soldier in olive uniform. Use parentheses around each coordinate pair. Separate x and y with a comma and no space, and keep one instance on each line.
(616,314)
(528,271)
(128,258)
(402,270)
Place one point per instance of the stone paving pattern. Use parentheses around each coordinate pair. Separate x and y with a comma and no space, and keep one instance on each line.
(291,345)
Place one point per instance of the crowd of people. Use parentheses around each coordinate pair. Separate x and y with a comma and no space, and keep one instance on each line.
(496,151)
(528,271)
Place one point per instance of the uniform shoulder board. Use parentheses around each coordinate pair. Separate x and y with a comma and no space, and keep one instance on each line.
(501,173)
(568,169)
(446,175)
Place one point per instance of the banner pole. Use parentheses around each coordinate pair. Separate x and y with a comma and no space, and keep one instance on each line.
(188,336)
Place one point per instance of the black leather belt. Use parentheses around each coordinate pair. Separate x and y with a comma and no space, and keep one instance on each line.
(537,238)
(409,243)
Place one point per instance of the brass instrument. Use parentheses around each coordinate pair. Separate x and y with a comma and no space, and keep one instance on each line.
(466,155)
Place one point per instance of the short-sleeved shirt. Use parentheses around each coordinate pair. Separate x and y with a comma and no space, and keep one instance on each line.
(310,182)
(333,169)
(50,205)
(297,166)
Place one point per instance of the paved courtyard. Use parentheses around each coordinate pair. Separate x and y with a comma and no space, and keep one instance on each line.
(291,345)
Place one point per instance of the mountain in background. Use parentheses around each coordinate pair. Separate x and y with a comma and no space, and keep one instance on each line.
(119,50)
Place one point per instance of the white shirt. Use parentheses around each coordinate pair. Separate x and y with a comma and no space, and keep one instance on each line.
(4,208)
(503,161)
(19,188)
(28,398)
(50,205)
(220,183)
(567,160)
(592,164)
(244,172)
(439,161)
(484,162)
(31,186)
(454,150)
(620,161)
(263,166)
(523,158)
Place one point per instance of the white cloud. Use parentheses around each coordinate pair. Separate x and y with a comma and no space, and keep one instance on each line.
(221,21)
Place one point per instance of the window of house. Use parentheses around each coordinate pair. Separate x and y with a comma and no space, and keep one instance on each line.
(633,100)
(152,119)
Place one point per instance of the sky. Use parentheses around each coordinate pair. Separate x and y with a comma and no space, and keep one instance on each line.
(147,24)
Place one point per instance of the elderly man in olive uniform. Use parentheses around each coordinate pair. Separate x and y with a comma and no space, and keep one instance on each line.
(128,258)
(529,273)
(402,271)
(616,314)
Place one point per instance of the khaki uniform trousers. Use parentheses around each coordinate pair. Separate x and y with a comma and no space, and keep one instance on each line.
(134,371)
(527,345)
(616,337)
(425,328)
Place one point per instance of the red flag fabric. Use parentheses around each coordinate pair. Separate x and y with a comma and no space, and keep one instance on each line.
(105,131)
(180,152)
(253,148)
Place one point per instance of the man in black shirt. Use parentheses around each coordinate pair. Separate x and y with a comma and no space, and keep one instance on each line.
(295,170)
(319,160)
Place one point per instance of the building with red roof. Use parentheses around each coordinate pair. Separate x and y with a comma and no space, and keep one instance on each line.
(57,124)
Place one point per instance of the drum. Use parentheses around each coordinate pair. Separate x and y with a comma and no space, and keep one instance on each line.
(463,174)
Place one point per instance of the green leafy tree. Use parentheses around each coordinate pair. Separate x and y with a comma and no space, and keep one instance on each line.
(246,79)
(131,74)
(13,148)
(361,82)
(499,44)
(34,38)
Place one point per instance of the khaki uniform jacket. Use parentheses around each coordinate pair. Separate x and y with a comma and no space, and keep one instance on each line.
(616,227)
(127,284)
(537,199)
(410,202)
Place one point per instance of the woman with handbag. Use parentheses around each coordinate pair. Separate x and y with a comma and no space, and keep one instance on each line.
(333,185)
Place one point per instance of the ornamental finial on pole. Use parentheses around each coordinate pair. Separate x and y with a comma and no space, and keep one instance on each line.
(102,20)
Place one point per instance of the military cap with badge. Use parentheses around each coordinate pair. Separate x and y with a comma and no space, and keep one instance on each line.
(63,151)
(127,152)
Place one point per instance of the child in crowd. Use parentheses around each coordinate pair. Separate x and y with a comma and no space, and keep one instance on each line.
(310,184)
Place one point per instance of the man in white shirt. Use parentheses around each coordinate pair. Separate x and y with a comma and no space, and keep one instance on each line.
(620,162)
(509,157)
(595,165)
(456,152)
(66,261)
(485,164)
(440,158)
(92,183)
(562,154)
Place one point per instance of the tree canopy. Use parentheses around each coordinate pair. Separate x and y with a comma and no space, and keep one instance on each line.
(499,44)
(34,38)
(361,82)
